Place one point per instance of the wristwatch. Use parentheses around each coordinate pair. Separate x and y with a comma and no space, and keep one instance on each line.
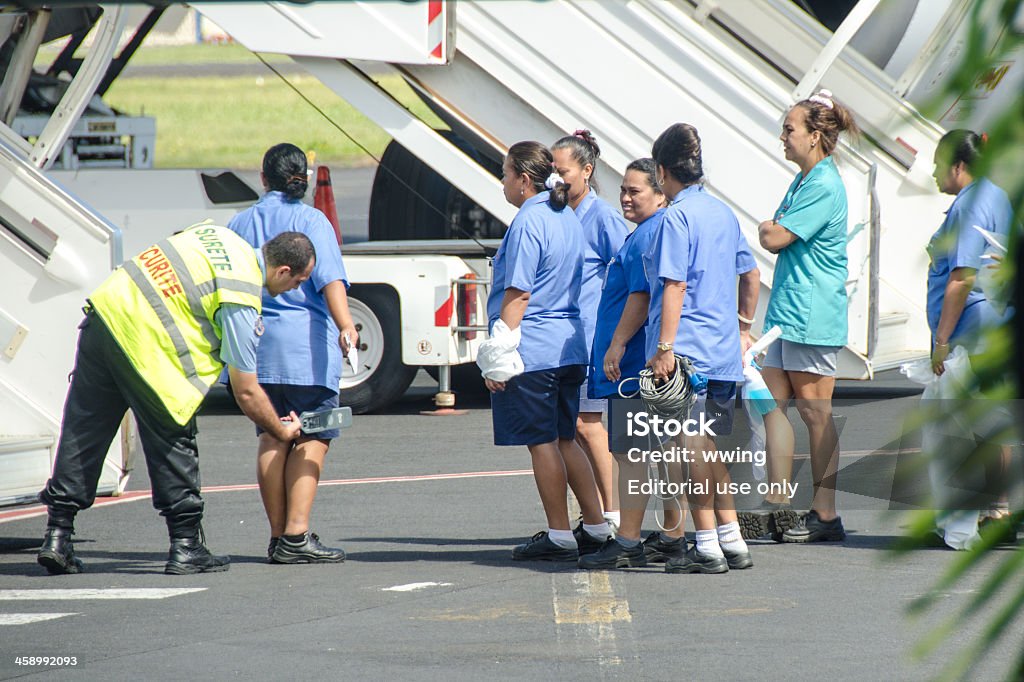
(662,345)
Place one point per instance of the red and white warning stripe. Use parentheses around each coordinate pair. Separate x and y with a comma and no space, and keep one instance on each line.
(436,14)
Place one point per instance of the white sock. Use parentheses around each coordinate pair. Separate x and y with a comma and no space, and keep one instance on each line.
(613,518)
(562,538)
(730,538)
(601,531)
(707,543)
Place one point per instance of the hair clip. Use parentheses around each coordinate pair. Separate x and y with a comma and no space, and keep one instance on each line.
(824,98)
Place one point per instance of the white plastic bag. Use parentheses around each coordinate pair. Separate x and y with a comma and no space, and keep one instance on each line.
(498,357)
(757,399)
(959,528)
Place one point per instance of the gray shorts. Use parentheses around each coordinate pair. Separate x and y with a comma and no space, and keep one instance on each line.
(591,404)
(802,357)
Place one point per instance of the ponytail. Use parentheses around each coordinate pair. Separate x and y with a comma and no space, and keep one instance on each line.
(284,168)
(584,150)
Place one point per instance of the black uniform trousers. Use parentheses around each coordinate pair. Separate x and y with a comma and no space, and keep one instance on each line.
(104,385)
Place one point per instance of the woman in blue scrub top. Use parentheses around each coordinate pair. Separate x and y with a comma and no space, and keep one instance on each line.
(957,309)
(535,287)
(956,306)
(697,311)
(299,357)
(808,301)
(575,158)
(618,355)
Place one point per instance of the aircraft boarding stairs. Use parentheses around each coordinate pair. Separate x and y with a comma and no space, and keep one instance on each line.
(626,70)
(53,252)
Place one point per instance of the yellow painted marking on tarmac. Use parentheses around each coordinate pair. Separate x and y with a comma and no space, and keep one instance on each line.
(514,611)
(594,602)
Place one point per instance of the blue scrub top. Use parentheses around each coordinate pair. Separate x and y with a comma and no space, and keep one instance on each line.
(300,343)
(808,299)
(699,242)
(956,244)
(625,276)
(542,253)
(605,230)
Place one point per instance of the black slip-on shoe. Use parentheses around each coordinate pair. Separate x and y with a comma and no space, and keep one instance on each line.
(614,555)
(190,555)
(308,551)
(585,542)
(696,562)
(57,553)
(660,548)
(770,518)
(812,529)
(738,560)
(541,548)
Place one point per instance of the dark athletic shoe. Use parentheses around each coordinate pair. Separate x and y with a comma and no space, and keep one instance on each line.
(613,555)
(738,560)
(190,555)
(1002,527)
(270,549)
(585,542)
(813,529)
(57,554)
(541,548)
(308,551)
(659,548)
(695,562)
(770,518)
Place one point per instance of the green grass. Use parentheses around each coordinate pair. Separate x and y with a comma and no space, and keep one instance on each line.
(230,122)
(146,55)
(216,122)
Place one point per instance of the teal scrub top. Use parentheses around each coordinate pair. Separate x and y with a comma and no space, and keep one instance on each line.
(808,299)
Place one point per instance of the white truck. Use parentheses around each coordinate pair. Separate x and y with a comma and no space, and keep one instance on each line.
(495,71)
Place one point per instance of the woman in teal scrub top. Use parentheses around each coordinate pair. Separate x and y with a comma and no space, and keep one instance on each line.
(808,301)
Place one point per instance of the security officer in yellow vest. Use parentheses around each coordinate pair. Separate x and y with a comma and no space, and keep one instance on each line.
(156,335)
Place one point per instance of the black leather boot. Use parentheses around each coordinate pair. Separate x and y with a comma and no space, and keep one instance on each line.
(190,555)
(57,555)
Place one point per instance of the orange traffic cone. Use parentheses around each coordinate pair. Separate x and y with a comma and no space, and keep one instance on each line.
(323,199)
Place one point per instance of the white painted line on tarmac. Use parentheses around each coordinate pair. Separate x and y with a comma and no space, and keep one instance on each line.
(39,510)
(26,618)
(101,593)
(412,587)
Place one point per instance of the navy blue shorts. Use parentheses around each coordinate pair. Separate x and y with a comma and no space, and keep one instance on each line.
(538,407)
(287,398)
(718,401)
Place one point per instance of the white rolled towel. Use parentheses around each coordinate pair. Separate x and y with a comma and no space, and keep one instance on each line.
(498,357)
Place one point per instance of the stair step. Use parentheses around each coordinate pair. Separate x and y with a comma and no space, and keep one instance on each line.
(19,443)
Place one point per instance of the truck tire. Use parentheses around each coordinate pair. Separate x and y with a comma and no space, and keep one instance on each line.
(410,200)
(382,377)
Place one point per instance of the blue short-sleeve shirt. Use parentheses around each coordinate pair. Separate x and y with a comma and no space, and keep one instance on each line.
(625,276)
(956,244)
(699,242)
(808,299)
(300,342)
(542,253)
(604,230)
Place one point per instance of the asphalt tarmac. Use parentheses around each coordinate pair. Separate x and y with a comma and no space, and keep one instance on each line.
(428,510)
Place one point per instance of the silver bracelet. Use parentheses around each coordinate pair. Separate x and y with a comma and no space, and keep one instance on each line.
(744,320)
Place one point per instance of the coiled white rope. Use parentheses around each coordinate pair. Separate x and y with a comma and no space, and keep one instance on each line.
(672,398)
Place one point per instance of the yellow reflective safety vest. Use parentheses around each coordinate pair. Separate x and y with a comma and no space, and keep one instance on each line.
(160,307)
